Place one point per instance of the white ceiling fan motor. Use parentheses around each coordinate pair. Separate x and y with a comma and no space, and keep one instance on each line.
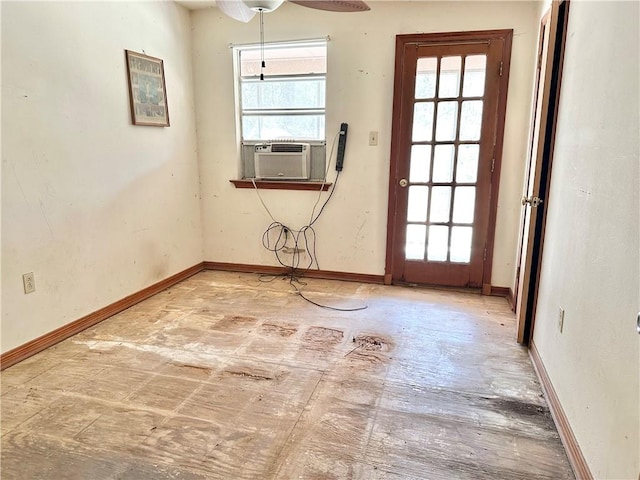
(263,5)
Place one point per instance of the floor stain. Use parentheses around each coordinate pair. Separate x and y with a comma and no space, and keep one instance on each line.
(233,322)
(320,338)
(253,373)
(196,368)
(371,358)
(518,407)
(273,329)
(372,343)
(368,350)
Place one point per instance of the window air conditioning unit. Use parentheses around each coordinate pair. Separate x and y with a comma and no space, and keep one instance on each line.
(282,161)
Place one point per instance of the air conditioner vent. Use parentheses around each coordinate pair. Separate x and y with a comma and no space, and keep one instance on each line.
(288,147)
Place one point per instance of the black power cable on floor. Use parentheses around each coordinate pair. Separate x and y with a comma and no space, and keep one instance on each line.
(299,292)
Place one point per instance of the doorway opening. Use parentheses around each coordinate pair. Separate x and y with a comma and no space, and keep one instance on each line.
(535,201)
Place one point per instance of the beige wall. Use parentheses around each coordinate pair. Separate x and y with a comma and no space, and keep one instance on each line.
(591,261)
(97,208)
(352,233)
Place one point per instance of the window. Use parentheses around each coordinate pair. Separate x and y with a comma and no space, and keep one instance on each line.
(289,104)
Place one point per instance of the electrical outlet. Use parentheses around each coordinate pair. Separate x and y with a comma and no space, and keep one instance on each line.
(29,282)
(561,319)
(373,139)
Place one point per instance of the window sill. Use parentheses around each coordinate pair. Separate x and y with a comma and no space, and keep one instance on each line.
(282,184)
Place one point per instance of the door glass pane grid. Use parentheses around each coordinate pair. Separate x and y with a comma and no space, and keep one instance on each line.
(455,120)
(451,77)
(451,164)
(445,243)
(449,133)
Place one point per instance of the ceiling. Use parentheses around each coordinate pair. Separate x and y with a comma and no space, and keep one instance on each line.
(196,4)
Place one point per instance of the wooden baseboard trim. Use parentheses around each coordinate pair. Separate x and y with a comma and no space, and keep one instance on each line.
(505,292)
(47,340)
(500,291)
(577,460)
(272,270)
(512,302)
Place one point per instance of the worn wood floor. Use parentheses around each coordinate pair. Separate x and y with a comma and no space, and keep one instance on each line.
(225,376)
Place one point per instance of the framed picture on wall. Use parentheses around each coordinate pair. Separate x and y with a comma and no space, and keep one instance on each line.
(147,90)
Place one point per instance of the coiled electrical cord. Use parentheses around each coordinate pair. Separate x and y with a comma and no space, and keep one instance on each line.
(278,237)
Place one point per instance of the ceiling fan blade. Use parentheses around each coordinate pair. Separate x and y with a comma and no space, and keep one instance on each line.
(334,5)
(235,9)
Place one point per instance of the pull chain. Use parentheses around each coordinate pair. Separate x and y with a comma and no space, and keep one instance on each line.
(263,64)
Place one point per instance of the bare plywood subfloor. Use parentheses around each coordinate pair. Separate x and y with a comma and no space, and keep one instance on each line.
(225,376)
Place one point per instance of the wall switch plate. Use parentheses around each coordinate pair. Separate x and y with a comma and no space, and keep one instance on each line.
(29,282)
(373,139)
(561,319)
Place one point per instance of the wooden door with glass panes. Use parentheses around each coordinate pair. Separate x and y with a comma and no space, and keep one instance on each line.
(449,103)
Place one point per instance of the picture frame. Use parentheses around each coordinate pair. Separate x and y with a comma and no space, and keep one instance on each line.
(147,90)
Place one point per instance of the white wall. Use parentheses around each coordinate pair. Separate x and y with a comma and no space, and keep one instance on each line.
(591,260)
(97,208)
(352,234)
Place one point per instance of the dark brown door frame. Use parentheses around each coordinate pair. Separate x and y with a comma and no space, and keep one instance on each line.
(559,20)
(396,150)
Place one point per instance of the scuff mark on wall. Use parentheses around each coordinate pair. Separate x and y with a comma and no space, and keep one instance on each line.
(46,218)
(15,174)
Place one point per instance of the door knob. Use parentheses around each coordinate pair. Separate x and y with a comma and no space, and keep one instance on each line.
(403,182)
(532,201)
